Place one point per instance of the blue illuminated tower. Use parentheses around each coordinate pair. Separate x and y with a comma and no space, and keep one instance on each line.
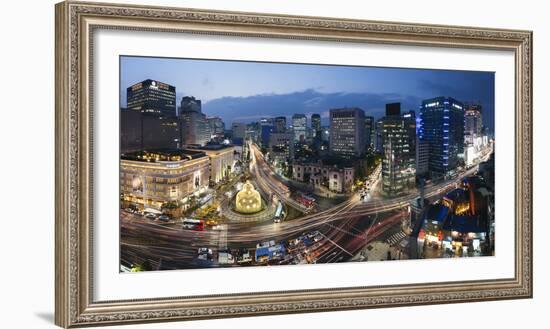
(441,134)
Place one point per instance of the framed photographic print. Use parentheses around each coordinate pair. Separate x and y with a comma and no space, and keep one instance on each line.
(218,164)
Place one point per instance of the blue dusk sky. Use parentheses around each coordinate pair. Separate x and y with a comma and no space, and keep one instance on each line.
(247,91)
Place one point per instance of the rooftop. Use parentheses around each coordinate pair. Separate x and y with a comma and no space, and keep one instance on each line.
(213,147)
(159,155)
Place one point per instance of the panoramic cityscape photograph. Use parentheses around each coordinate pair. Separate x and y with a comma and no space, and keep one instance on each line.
(236,163)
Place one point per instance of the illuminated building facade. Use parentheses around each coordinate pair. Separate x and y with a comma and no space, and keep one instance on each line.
(316,126)
(281,147)
(398,155)
(153,97)
(472,123)
(299,124)
(347,132)
(441,128)
(222,161)
(150,179)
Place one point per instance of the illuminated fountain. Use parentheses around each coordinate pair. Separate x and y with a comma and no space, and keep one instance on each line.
(248,200)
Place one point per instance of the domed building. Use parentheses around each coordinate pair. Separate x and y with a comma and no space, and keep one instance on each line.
(248,200)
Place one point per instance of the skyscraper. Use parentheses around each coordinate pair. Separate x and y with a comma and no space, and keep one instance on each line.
(410,125)
(299,124)
(153,97)
(378,142)
(472,123)
(441,127)
(238,132)
(398,155)
(216,127)
(280,124)
(347,132)
(140,131)
(190,104)
(266,128)
(194,126)
(369,131)
(316,126)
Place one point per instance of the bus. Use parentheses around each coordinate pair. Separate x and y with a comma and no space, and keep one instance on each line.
(279,213)
(306,200)
(193,224)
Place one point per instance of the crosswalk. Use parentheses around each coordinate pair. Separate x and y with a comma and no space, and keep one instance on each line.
(395,238)
(222,237)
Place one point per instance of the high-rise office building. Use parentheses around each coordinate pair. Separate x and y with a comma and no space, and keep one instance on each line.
(369,131)
(409,119)
(472,123)
(441,128)
(281,146)
(280,124)
(393,109)
(266,128)
(325,133)
(238,132)
(347,132)
(140,132)
(216,127)
(152,97)
(190,104)
(316,126)
(422,158)
(194,126)
(397,153)
(299,124)
(378,142)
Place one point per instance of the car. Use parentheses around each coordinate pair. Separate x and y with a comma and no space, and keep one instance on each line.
(244,256)
(211,222)
(164,218)
(204,250)
(150,216)
(204,257)
(205,254)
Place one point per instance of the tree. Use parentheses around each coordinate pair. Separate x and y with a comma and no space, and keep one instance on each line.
(144,266)
(208,212)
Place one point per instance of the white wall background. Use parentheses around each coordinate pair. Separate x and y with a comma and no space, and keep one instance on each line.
(27,161)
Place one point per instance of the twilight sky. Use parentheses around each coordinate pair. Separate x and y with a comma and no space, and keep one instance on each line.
(246,91)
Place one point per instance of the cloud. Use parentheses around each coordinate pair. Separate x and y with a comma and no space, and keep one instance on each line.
(308,101)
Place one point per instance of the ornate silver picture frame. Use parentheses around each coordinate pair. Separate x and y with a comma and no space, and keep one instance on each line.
(76,22)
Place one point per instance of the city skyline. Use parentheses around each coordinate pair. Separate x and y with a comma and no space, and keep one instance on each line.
(290,177)
(234,90)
